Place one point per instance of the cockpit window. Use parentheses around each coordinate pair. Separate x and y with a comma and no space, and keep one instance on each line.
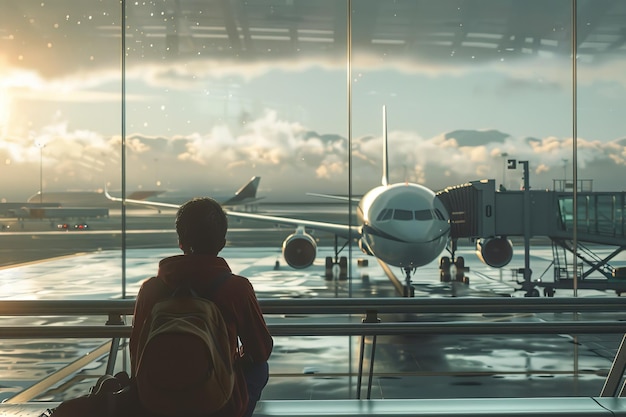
(423,215)
(399,214)
(385,214)
(439,214)
(404,215)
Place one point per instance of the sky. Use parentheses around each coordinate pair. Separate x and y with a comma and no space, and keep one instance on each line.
(207,123)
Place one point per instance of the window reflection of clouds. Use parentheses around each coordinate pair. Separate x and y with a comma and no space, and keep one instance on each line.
(205,100)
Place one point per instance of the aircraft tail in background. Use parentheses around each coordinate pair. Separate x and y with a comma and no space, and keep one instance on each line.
(245,195)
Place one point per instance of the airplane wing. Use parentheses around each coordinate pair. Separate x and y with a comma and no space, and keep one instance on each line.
(334,228)
(147,203)
(330,196)
(355,198)
(337,229)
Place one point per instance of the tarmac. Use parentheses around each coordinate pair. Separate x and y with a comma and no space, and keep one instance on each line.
(88,265)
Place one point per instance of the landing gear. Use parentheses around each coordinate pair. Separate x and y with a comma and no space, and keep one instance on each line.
(328,270)
(343,268)
(330,264)
(460,269)
(409,291)
(444,269)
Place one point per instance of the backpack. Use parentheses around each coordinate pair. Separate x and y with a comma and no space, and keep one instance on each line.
(185,366)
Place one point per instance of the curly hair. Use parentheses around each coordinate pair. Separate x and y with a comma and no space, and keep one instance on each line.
(201,225)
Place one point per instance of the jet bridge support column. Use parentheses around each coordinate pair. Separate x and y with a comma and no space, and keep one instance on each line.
(530,291)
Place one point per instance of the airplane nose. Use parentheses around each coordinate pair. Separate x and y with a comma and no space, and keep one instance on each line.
(415,231)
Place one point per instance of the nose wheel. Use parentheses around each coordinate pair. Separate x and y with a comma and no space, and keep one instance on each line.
(409,290)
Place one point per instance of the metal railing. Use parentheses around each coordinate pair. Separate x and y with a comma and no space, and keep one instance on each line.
(369,309)
(339,306)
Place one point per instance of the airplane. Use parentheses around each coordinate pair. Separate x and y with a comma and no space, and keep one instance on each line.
(402,224)
(244,196)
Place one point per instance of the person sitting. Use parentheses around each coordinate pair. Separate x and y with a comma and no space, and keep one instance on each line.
(201,225)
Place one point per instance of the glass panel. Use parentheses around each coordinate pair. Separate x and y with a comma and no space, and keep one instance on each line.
(60,121)
(606,212)
(214,99)
(219,92)
(465,89)
(584,219)
(601,94)
(566,212)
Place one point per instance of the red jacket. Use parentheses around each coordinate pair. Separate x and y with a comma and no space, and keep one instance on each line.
(235,298)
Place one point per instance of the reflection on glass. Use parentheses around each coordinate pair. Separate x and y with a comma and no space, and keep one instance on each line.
(261,89)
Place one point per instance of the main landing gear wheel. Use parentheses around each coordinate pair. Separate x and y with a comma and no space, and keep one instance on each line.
(444,269)
(548,292)
(343,268)
(460,270)
(328,270)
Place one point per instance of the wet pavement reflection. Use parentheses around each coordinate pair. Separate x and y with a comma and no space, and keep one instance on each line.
(445,366)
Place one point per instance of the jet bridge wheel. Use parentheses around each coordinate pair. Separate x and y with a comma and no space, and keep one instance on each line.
(548,292)
(532,293)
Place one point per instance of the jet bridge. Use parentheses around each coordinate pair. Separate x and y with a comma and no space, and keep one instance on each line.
(489,217)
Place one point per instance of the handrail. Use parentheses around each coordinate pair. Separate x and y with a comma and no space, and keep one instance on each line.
(343,329)
(339,306)
(116,328)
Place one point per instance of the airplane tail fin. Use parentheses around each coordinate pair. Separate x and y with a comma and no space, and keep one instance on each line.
(245,193)
(385,179)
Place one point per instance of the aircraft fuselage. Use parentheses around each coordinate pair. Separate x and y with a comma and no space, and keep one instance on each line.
(403,224)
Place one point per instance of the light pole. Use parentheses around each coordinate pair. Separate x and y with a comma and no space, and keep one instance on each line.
(40,146)
(504,155)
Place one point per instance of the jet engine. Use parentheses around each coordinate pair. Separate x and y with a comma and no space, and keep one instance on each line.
(299,249)
(495,252)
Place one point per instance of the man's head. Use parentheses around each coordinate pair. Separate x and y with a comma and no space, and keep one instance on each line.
(201,225)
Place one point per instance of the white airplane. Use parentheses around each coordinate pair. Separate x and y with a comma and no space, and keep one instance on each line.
(402,224)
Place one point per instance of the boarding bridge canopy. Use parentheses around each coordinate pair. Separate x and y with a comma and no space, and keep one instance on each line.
(600,217)
(477,210)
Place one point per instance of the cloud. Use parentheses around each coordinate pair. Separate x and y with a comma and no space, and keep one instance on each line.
(288,154)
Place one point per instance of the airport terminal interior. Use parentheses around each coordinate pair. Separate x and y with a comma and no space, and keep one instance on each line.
(427,196)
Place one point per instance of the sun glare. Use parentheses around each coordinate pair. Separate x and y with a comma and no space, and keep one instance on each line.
(4,108)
